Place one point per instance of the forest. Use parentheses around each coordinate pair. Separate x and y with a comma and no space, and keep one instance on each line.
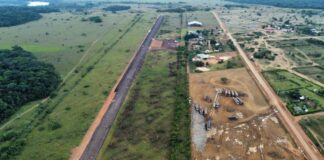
(23,78)
(14,15)
(116,8)
(315,4)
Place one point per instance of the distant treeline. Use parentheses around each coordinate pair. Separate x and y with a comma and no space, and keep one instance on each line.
(186,8)
(229,6)
(23,79)
(315,4)
(13,15)
(116,8)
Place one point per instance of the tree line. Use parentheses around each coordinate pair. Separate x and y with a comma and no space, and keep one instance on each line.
(23,78)
(15,15)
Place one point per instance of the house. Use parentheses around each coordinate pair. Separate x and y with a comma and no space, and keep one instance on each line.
(195,24)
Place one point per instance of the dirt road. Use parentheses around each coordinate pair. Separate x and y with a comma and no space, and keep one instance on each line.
(293,128)
(94,139)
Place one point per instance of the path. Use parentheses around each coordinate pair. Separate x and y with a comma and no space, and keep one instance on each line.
(96,135)
(286,118)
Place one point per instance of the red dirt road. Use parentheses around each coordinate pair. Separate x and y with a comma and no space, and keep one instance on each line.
(293,128)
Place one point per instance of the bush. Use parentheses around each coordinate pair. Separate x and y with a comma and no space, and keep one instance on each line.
(116,8)
(95,19)
(53,125)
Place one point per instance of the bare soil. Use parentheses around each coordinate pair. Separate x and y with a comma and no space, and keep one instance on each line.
(257,134)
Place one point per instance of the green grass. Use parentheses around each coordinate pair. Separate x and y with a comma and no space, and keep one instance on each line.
(79,99)
(313,127)
(235,62)
(283,82)
(142,130)
(316,73)
(59,35)
(301,52)
(207,18)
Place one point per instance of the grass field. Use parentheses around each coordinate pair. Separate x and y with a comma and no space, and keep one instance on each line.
(316,73)
(204,17)
(307,57)
(59,35)
(284,83)
(313,127)
(54,129)
(235,62)
(142,130)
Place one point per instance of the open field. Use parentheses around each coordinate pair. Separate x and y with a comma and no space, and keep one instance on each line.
(234,62)
(290,87)
(142,129)
(59,35)
(313,127)
(302,52)
(313,72)
(68,115)
(204,17)
(256,133)
(251,18)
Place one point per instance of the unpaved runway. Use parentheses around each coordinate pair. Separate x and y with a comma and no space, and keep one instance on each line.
(293,128)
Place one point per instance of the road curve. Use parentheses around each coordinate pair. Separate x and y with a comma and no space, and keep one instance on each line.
(286,118)
(98,137)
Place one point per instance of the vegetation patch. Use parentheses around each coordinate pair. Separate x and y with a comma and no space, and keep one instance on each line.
(300,95)
(307,52)
(264,54)
(313,127)
(23,79)
(12,15)
(143,126)
(180,132)
(315,72)
(116,8)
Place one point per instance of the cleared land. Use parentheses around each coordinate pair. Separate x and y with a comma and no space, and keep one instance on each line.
(54,129)
(287,85)
(256,134)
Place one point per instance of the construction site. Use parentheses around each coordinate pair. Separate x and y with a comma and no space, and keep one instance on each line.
(231,119)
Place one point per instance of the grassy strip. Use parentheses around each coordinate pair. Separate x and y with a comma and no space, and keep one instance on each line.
(180,132)
(142,128)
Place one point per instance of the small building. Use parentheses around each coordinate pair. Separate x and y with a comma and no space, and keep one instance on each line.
(302,98)
(203,56)
(195,24)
